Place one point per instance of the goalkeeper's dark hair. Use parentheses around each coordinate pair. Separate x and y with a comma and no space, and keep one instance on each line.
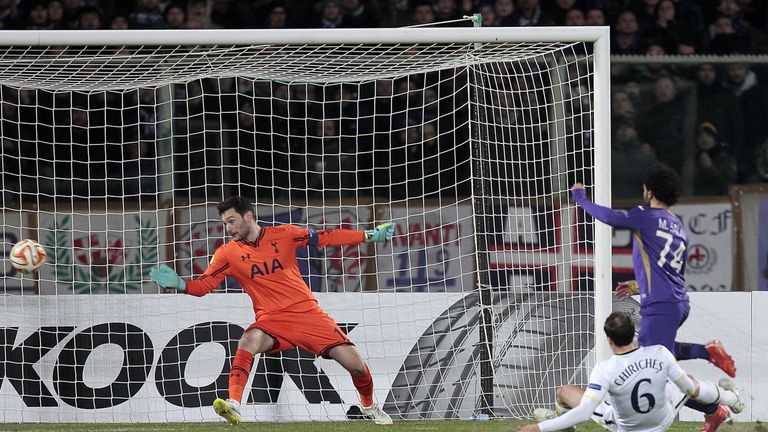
(240,204)
(664,183)
(619,327)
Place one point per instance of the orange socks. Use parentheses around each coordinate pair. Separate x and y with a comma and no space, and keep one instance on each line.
(238,376)
(364,386)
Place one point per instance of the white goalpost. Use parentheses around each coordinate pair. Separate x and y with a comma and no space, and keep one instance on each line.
(117,146)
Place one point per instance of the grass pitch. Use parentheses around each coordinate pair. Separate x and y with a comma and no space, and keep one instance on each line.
(349,426)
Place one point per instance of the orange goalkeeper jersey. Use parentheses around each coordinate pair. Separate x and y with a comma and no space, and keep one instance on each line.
(267,269)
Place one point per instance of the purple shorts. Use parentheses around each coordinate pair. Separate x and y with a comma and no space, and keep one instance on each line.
(659,323)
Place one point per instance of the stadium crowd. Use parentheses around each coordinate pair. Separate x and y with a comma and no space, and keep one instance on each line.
(709,121)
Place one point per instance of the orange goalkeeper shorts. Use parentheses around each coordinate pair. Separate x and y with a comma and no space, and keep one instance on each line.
(312,330)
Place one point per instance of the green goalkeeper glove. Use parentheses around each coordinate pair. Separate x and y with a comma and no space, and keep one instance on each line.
(381,233)
(166,277)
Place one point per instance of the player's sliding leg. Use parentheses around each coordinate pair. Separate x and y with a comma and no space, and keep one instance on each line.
(566,397)
(735,404)
(348,357)
(724,394)
(714,420)
(252,341)
(726,398)
(714,352)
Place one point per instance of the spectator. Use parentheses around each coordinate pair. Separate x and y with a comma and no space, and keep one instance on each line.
(669,31)
(335,164)
(651,71)
(236,14)
(718,105)
(505,10)
(684,48)
(278,17)
(489,15)
(727,8)
(622,107)
(745,37)
(37,18)
(635,95)
(175,16)
(663,125)
(654,48)
(194,24)
(715,167)
(726,40)
(644,13)
(754,11)
(760,170)
(72,13)
(558,9)
(199,14)
(467,7)
(331,16)
(147,15)
(689,13)
(529,13)
(595,17)
(423,14)
(90,19)
(626,35)
(630,159)
(56,15)
(445,10)
(119,22)
(396,13)
(574,17)
(9,15)
(753,99)
(358,14)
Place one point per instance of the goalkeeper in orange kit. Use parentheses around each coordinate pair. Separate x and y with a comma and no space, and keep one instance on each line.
(263,261)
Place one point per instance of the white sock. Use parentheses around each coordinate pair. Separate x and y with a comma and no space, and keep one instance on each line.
(712,394)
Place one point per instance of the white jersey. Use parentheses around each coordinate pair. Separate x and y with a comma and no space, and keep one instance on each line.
(635,385)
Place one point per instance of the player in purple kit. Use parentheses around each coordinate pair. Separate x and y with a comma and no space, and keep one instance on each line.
(659,256)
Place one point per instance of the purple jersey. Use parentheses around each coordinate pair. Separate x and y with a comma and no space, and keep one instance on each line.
(659,248)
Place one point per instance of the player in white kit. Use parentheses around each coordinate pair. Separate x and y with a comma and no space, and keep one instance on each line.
(629,391)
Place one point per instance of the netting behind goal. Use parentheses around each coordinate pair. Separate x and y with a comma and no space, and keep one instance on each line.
(114,158)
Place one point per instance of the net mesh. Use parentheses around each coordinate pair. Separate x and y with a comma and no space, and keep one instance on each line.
(114,159)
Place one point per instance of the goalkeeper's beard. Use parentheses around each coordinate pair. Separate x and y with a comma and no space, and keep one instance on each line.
(244,232)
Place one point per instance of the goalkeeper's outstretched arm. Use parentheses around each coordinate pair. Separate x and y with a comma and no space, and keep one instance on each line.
(166,277)
(342,237)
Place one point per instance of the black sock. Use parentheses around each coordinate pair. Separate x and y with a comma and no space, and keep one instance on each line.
(698,406)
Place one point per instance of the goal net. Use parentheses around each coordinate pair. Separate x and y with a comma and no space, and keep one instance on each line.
(117,146)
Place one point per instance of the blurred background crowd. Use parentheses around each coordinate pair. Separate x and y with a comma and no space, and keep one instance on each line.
(709,120)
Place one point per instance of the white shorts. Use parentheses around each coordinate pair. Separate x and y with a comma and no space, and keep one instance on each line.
(605,416)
